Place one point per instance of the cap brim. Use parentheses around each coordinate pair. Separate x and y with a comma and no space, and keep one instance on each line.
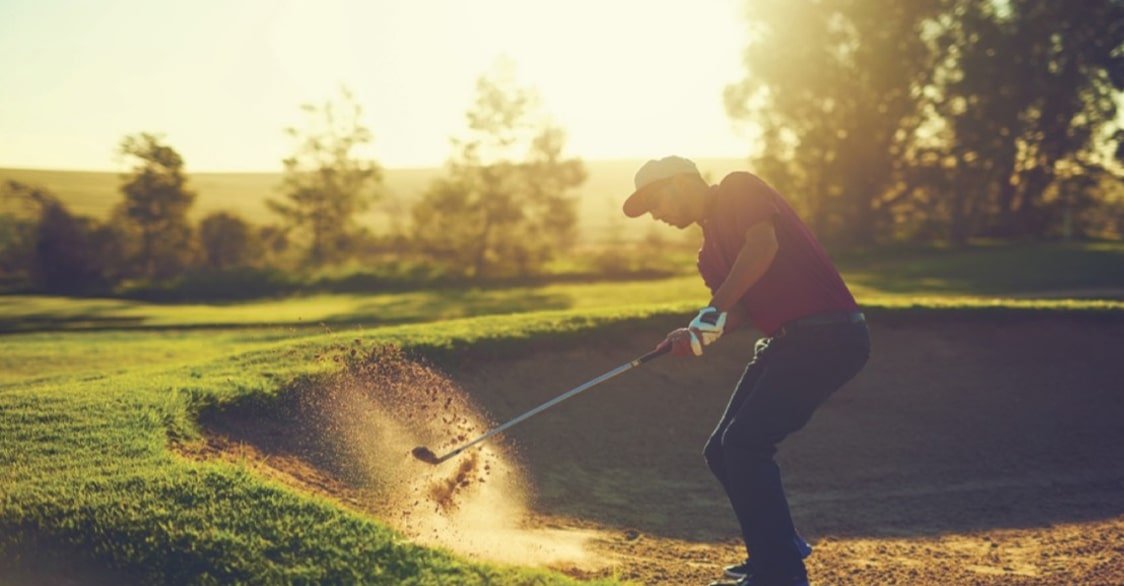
(638,203)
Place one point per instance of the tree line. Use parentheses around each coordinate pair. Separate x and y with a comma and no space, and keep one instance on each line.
(883,121)
(939,119)
(504,207)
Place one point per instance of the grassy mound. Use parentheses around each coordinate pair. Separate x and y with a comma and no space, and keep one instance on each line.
(86,467)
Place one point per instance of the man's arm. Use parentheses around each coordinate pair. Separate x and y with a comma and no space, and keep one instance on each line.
(735,318)
(753,260)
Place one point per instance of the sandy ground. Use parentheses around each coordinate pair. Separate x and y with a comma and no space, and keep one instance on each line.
(966,453)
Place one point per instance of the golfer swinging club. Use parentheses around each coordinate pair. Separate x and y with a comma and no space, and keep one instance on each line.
(765,267)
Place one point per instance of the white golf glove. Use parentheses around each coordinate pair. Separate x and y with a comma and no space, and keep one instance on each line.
(706,328)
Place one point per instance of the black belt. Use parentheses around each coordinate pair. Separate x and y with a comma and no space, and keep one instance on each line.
(821,319)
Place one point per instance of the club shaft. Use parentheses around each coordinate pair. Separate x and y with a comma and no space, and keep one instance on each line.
(608,375)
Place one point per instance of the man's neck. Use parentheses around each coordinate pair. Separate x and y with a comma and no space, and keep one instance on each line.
(706,204)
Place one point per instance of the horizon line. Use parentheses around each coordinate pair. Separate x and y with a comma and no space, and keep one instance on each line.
(279,171)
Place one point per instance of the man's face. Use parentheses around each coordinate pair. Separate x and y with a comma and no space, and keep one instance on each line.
(670,207)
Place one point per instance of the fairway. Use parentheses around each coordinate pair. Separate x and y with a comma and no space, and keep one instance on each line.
(972,417)
(1047,276)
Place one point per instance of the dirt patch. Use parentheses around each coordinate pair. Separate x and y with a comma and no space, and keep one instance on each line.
(966,452)
(350,437)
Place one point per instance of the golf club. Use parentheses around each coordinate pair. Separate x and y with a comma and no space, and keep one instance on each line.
(426,455)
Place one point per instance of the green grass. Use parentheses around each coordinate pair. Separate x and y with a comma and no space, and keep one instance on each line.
(86,417)
(926,278)
(85,464)
(995,269)
(321,312)
(86,470)
(34,313)
(78,359)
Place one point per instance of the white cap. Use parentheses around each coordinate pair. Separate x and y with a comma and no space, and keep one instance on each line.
(652,172)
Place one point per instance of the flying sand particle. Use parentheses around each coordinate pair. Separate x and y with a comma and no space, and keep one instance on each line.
(381,411)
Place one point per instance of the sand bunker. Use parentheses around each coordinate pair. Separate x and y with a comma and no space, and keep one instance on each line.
(351,434)
(967,452)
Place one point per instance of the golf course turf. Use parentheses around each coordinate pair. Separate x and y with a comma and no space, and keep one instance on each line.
(976,448)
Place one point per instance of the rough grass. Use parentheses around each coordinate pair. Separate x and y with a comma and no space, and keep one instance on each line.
(85,466)
(1038,276)
(37,313)
(990,269)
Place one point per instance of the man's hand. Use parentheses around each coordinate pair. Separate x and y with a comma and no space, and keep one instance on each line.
(683,342)
(708,325)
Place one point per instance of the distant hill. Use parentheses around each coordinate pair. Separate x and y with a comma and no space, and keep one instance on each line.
(95,193)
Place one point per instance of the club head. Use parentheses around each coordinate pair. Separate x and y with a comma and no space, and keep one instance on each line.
(425,455)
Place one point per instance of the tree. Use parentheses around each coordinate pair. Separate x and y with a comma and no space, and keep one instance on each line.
(835,87)
(1028,92)
(228,241)
(156,204)
(19,219)
(326,182)
(504,207)
(58,252)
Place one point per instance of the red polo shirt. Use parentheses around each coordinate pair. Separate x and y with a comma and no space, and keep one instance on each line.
(802,280)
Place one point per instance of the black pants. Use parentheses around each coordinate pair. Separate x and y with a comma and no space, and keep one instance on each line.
(787,379)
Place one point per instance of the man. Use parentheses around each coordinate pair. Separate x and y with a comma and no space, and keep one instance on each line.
(764,267)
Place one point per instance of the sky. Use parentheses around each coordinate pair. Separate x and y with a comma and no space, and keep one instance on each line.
(222,79)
